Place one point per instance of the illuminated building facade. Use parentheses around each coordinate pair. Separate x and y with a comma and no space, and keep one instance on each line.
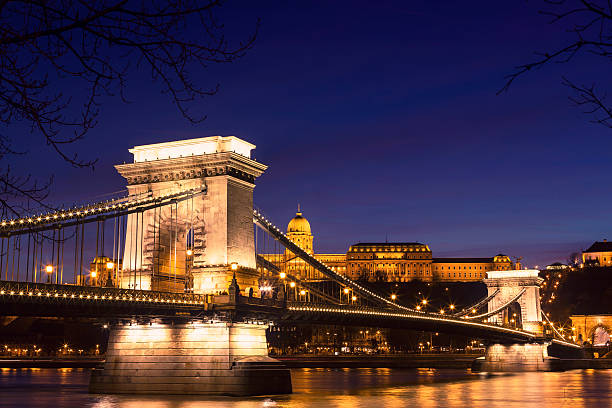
(298,230)
(389,262)
(598,254)
(103,271)
(384,262)
(593,329)
(557,266)
(469,269)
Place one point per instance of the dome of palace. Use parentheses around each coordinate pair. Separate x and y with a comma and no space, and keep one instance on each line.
(299,224)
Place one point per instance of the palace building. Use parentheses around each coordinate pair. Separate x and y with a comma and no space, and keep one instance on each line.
(384,261)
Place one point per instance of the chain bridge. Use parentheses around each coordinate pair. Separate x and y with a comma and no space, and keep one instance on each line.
(179,270)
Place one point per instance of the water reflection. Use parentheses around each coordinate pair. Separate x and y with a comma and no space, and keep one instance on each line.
(339,388)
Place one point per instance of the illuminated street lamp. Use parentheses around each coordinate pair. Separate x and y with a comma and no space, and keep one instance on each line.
(354,298)
(393,296)
(283,275)
(424,301)
(234,266)
(110,265)
(452,307)
(189,252)
(292,284)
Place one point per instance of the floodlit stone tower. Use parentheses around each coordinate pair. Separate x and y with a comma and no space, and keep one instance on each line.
(209,236)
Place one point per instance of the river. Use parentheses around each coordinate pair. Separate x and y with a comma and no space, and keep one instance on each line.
(341,388)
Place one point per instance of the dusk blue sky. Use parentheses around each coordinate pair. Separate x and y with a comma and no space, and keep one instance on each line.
(382,120)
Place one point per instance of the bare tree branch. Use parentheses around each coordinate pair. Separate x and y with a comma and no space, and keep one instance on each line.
(93,44)
(591,26)
(594,103)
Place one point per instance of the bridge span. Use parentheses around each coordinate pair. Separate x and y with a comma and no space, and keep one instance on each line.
(176,270)
(115,304)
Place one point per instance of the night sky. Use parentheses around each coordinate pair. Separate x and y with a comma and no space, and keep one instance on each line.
(382,120)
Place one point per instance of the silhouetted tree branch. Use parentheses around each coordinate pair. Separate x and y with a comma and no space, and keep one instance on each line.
(591,25)
(94,44)
(593,102)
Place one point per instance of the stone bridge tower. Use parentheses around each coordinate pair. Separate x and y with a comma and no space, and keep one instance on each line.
(206,238)
(510,284)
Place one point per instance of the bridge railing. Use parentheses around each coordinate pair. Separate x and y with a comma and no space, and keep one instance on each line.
(93,293)
(376,310)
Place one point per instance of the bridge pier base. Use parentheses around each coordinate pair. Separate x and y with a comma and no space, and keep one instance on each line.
(516,358)
(192,358)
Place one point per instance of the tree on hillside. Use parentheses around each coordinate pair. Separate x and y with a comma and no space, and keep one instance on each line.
(573,259)
(590,29)
(95,44)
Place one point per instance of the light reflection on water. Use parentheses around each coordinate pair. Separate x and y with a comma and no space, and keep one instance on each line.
(339,388)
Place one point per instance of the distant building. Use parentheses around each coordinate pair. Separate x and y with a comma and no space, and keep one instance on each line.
(389,261)
(593,329)
(598,254)
(557,266)
(102,272)
(383,261)
(468,269)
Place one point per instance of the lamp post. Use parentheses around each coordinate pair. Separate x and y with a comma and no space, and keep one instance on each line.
(93,277)
(188,265)
(49,271)
(109,269)
(292,286)
(283,277)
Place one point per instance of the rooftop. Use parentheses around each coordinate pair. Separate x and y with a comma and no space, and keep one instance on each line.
(389,246)
(523,273)
(463,260)
(191,147)
(603,246)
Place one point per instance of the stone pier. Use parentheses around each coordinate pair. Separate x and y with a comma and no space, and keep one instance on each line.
(516,358)
(204,245)
(523,286)
(191,358)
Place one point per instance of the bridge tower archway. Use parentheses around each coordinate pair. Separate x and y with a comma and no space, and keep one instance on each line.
(220,217)
(520,287)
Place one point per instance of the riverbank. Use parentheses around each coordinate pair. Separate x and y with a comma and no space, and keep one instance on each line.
(304,361)
(51,362)
(375,361)
(438,361)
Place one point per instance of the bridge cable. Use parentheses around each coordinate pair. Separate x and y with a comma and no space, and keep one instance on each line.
(271,266)
(28,260)
(551,325)
(476,306)
(491,313)
(320,266)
